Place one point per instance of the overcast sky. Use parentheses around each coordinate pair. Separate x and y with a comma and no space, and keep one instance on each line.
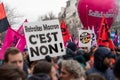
(34,8)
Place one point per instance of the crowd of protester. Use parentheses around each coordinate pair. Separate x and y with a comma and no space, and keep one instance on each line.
(98,63)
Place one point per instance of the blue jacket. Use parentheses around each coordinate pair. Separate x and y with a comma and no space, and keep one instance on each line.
(108,74)
(99,66)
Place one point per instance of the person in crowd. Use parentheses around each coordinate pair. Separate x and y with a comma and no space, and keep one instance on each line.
(95,76)
(90,62)
(101,66)
(72,46)
(48,58)
(81,60)
(14,56)
(53,60)
(44,67)
(84,57)
(70,51)
(11,72)
(86,53)
(31,66)
(116,68)
(117,49)
(26,61)
(71,70)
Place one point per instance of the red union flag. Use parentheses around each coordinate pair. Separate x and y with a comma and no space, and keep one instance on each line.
(12,39)
(4,24)
(104,35)
(65,32)
(103,31)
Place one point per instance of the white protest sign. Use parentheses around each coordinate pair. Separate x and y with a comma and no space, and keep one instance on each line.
(44,38)
(85,38)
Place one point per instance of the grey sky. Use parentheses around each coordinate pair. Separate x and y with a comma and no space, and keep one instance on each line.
(34,8)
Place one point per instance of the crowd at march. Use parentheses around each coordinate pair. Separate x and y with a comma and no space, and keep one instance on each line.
(51,55)
(55,55)
(98,63)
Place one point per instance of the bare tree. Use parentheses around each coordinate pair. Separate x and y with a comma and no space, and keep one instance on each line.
(50,16)
(13,18)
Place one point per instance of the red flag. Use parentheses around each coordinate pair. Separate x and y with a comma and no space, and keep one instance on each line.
(12,39)
(20,30)
(103,31)
(104,35)
(65,32)
(4,24)
(111,45)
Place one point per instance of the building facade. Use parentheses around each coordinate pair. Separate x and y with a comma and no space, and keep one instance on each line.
(70,15)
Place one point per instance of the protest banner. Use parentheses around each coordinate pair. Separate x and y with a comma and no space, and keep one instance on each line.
(44,38)
(85,38)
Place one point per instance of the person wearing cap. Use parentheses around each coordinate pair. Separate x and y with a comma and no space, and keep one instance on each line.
(101,66)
